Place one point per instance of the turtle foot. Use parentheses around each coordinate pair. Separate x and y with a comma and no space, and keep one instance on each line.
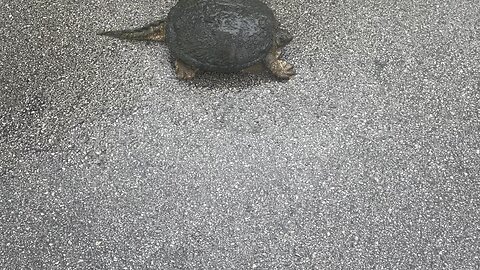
(282,69)
(184,72)
(279,67)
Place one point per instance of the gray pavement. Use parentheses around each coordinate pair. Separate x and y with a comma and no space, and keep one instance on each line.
(368,159)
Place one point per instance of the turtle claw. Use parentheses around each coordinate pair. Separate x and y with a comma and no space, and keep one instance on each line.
(282,69)
(183,71)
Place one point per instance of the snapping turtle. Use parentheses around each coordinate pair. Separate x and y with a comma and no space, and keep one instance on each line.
(218,35)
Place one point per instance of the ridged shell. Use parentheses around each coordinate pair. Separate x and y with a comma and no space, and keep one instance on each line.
(220,35)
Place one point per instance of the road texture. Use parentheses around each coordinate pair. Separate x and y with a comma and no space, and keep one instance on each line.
(368,159)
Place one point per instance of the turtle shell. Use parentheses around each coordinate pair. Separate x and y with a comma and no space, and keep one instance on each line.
(220,35)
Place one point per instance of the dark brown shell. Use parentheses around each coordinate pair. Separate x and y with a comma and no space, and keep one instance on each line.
(220,35)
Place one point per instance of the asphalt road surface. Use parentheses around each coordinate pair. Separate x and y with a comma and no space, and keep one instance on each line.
(368,159)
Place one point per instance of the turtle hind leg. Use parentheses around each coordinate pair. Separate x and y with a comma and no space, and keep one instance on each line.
(184,71)
(154,31)
(279,67)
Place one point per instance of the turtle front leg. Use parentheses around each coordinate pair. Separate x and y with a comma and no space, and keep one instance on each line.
(279,67)
(184,71)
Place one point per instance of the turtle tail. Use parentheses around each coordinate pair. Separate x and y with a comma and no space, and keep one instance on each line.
(154,31)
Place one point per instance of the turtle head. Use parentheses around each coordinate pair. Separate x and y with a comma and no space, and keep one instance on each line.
(282,38)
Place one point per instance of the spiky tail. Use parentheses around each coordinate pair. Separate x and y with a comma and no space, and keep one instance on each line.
(154,31)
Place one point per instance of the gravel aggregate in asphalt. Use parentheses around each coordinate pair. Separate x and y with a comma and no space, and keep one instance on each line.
(368,158)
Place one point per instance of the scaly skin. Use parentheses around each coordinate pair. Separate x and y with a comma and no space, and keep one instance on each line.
(279,67)
(154,31)
(183,71)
